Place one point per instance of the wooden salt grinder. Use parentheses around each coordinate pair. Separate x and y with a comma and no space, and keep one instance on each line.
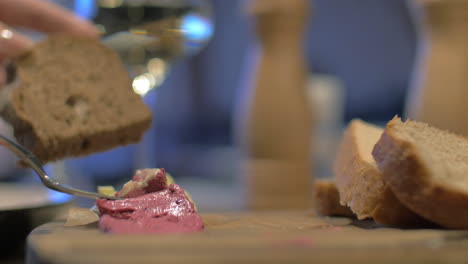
(439,91)
(275,121)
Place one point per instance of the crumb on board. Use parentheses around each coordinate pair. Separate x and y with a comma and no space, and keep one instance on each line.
(81,216)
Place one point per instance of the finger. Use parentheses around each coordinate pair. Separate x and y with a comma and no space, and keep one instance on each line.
(45,17)
(12,43)
(2,75)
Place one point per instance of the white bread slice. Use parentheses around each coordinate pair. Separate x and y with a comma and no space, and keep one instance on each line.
(427,169)
(360,183)
(327,199)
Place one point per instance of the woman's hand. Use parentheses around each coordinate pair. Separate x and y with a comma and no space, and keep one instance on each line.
(38,15)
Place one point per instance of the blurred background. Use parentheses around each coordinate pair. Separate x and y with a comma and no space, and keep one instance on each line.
(360,55)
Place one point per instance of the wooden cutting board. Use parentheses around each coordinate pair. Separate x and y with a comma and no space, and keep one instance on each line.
(256,237)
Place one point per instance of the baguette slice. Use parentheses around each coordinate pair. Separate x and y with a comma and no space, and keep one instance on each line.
(73,97)
(360,183)
(327,200)
(427,169)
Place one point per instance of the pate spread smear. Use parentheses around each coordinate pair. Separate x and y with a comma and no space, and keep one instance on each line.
(151,205)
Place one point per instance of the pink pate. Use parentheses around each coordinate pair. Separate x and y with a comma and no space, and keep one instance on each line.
(150,206)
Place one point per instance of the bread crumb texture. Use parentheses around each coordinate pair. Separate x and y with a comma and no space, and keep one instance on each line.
(74,98)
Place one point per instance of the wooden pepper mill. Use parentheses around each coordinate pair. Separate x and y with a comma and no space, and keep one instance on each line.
(274,126)
(439,90)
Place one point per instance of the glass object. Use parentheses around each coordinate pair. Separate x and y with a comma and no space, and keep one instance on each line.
(150,34)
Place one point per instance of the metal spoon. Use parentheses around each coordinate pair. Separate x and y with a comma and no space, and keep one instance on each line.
(34,163)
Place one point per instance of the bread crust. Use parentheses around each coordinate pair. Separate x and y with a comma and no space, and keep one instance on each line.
(327,200)
(410,180)
(362,188)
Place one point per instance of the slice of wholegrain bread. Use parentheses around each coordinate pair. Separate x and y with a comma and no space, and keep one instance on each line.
(327,199)
(360,183)
(427,169)
(73,97)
